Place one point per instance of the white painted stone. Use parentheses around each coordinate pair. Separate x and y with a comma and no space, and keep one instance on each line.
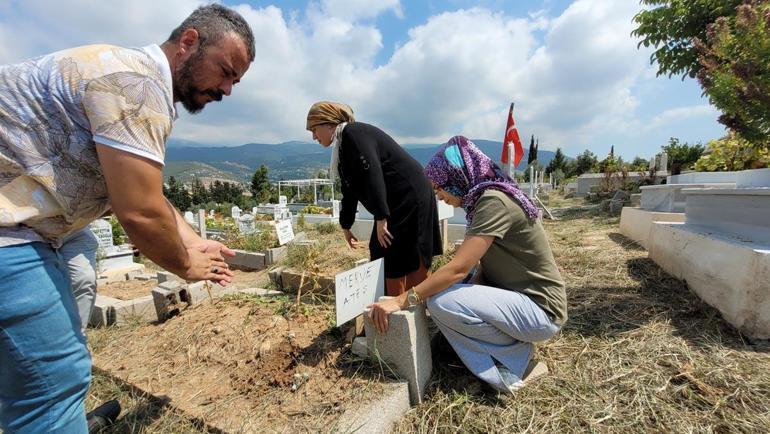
(725,272)
(235,212)
(102,229)
(669,197)
(636,223)
(703,178)
(738,212)
(282,201)
(404,348)
(284,231)
(189,217)
(753,178)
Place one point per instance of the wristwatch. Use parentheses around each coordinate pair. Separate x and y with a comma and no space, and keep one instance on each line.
(413,298)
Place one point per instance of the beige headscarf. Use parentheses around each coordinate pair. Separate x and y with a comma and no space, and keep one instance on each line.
(327,112)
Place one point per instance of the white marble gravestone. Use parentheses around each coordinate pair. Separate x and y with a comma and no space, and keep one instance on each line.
(235,212)
(722,250)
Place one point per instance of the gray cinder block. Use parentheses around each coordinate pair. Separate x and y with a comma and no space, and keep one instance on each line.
(247,261)
(102,314)
(139,309)
(166,300)
(165,276)
(405,348)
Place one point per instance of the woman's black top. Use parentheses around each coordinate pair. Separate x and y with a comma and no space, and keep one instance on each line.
(390,184)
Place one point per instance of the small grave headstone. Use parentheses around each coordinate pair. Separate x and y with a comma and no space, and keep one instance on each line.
(335,209)
(284,231)
(189,217)
(357,288)
(282,201)
(103,231)
(246,224)
(445,211)
(212,214)
(235,212)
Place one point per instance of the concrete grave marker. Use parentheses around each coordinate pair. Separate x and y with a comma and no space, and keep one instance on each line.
(235,212)
(445,211)
(284,231)
(357,288)
(282,201)
(336,209)
(189,217)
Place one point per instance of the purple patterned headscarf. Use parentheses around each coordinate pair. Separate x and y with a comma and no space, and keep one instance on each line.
(461,169)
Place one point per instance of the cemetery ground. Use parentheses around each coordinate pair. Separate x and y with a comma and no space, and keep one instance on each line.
(639,353)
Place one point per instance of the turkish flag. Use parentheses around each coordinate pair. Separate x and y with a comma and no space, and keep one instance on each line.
(512,136)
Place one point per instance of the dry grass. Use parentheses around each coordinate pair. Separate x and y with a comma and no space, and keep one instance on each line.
(639,353)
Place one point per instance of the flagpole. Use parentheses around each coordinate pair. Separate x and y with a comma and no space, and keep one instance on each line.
(511,166)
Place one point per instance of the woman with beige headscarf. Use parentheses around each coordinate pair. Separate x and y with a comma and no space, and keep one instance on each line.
(390,184)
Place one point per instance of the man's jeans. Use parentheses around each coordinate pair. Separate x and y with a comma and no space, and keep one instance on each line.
(78,252)
(45,368)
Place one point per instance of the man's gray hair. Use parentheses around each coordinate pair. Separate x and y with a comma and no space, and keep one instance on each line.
(213,22)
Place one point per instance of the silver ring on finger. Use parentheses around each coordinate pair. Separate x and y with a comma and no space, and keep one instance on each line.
(215,270)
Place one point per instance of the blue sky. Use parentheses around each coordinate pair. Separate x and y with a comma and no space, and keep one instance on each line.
(421,70)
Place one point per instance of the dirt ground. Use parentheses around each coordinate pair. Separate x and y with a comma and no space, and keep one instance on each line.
(242,364)
(128,289)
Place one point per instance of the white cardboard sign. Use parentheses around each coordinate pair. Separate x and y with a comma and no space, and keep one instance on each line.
(357,288)
(445,211)
(284,231)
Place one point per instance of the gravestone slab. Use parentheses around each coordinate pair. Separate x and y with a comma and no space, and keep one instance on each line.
(404,348)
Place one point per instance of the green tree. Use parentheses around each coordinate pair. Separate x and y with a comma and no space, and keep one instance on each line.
(260,185)
(177,194)
(681,156)
(732,153)
(735,71)
(198,192)
(639,164)
(672,28)
(558,162)
(532,154)
(584,163)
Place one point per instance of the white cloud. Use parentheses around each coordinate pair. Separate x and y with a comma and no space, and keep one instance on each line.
(572,76)
(681,113)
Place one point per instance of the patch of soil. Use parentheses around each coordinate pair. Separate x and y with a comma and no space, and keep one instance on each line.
(241,367)
(250,279)
(128,289)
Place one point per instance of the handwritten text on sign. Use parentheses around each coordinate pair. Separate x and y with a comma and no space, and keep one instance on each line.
(357,288)
(284,231)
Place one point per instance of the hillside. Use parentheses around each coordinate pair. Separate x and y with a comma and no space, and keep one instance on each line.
(293,160)
(185,171)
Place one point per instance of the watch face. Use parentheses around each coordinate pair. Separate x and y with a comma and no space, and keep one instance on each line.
(412,298)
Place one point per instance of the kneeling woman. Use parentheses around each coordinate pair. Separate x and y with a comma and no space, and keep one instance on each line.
(516,296)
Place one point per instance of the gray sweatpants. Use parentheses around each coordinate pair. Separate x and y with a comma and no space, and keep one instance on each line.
(78,252)
(485,324)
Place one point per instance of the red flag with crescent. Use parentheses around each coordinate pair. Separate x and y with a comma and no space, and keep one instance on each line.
(512,136)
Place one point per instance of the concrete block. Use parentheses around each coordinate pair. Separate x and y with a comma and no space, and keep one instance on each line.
(404,348)
(311,283)
(139,309)
(636,199)
(729,274)
(131,275)
(247,261)
(165,276)
(738,212)
(145,277)
(635,223)
(195,293)
(275,254)
(170,285)
(103,314)
(360,262)
(275,276)
(379,415)
(258,291)
(166,301)
(670,197)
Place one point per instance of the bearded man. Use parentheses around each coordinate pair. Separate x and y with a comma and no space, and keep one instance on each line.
(83,131)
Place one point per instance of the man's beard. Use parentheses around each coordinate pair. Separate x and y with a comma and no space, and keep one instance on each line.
(185,89)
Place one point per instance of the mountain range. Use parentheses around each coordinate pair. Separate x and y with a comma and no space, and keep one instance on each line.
(288,160)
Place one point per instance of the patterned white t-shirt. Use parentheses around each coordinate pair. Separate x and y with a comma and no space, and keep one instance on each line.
(53,111)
